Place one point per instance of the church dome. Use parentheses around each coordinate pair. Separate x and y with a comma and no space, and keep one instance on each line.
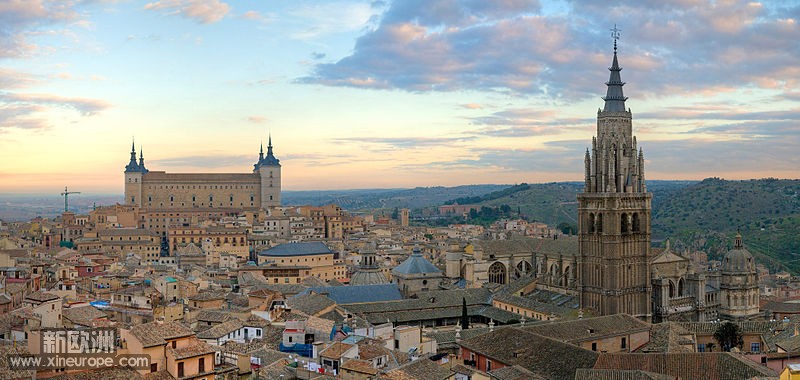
(416,265)
(738,259)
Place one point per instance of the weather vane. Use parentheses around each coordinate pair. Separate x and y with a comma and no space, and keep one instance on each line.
(615,35)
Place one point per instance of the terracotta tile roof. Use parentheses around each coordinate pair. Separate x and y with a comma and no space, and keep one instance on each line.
(614,374)
(83,315)
(220,330)
(589,328)
(336,350)
(214,316)
(5,371)
(361,366)
(154,333)
(40,296)
(196,347)
(669,337)
(706,366)
(420,369)
(541,355)
(311,303)
(110,373)
(514,372)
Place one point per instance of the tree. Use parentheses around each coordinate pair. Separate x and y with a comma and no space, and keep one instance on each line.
(464,316)
(728,335)
(395,213)
(567,228)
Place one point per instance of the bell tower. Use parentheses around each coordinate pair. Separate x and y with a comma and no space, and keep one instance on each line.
(614,212)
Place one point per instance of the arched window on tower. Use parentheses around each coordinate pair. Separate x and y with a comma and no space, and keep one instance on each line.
(623,223)
(680,287)
(599,223)
(591,223)
(635,222)
(671,289)
(497,273)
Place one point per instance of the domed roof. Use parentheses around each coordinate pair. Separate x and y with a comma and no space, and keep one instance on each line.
(738,259)
(416,265)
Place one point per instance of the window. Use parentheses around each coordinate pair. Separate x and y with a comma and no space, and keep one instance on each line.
(154,367)
(174,344)
(488,365)
(201,365)
(755,347)
(624,343)
(594,346)
(180,369)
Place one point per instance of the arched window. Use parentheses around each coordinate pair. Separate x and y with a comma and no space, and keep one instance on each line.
(680,287)
(523,268)
(599,223)
(623,223)
(591,223)
(671,289)
(565,277)
(636,222)
(497,273)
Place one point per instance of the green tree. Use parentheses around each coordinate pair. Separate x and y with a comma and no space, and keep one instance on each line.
(728,335)
(567,228)
(464,315)
(395,213)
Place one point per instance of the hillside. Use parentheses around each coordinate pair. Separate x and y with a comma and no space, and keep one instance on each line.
(703,215)
(371,199)
(707,214)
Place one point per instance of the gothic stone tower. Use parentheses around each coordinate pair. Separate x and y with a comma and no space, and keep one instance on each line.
(614,213)
(269,168)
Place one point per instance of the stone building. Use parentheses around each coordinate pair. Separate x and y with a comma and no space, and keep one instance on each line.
(158,190)
(611,266)
(369,271)
(738,284)
(680,293)
(416,274)
(614,213)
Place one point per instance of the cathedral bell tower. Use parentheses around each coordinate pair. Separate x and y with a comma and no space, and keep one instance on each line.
(614,212)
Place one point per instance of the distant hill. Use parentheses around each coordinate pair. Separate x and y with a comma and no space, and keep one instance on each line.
(703,215)
(370,199)
(707,214)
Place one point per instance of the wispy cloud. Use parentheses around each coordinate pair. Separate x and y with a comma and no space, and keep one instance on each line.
(406,142)
(202,11)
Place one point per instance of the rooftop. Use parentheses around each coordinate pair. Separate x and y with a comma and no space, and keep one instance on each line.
(297,249)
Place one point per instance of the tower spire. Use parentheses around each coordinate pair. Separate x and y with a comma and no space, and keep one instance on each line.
(269,145)
(261,152)
(615,100)
(132,165)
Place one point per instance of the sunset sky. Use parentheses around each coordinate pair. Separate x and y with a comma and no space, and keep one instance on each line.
(377,94)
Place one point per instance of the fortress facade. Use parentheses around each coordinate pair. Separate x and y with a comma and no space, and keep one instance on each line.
(159,190)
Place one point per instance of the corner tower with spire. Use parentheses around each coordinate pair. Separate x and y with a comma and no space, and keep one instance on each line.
(269,168)
(614,212)
(133,177)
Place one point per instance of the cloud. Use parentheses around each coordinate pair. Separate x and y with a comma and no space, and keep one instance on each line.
(472,106)
(202,11)
(257,119)
(527,122)
(85,106)
(13,79)
(406,142)
(668,48)
(21,111)
(330,17)
(18,18)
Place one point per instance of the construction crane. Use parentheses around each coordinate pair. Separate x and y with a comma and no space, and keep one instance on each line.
(66,194)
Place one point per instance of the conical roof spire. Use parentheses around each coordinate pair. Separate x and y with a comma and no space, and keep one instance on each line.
(132,165)
(615,100)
